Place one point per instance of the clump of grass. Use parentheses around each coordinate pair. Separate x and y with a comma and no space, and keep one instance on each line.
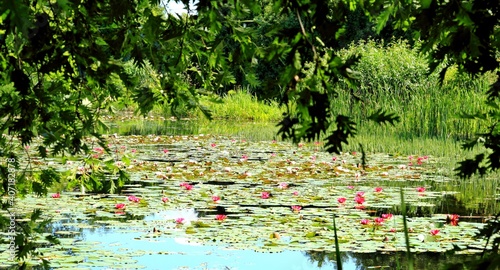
(242,105)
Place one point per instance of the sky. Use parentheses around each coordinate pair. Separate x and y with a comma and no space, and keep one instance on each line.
(177,8)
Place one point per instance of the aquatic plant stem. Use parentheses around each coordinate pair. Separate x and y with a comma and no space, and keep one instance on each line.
(337,250)
(405,226)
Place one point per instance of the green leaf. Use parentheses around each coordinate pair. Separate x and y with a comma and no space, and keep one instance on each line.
(297,64)
(425,3)
(382,117)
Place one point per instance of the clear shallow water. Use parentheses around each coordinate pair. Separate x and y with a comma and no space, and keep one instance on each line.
(185,256)
(178,253)
(164,252)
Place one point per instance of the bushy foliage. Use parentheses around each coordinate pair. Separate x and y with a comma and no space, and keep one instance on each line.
(393,69)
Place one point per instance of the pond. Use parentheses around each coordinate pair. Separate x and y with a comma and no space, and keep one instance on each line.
(212,202)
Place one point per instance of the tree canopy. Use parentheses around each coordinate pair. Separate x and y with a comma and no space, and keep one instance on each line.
(63,62)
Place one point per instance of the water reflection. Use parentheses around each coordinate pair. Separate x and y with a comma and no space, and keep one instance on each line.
(164,252)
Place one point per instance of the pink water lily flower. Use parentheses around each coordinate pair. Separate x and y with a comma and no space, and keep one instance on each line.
(220,217)
(56,196)
(133,198)
(215,199)
(379,220)
(420,189)
(119,205)
(392,230)
(186,185)
(213,144)
(296,208)
(360,194)
(365,221)
(164,199)
(434,232)
(387,216)
(378,189)
(341,200)
(283,185)
(295,193)
(179,220)
(265,195)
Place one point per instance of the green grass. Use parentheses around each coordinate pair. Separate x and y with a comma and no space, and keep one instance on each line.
(395,78)
(242,105)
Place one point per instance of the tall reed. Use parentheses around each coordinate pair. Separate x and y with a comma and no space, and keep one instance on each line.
(396,78)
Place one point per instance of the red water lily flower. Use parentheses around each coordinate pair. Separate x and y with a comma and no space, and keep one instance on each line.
(360,194)
(164,199)
(392,230)
(56,196)
(215,199)
(434,232)
(265,195)
(220,217)
(119,205)
(419,161)
(452,219)
(365,221)
(420,189)
(379,221)
(341,200)
(296,208)
(213,144)
(378,189)
(359,200)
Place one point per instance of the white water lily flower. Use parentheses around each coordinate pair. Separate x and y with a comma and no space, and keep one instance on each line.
(421,238)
